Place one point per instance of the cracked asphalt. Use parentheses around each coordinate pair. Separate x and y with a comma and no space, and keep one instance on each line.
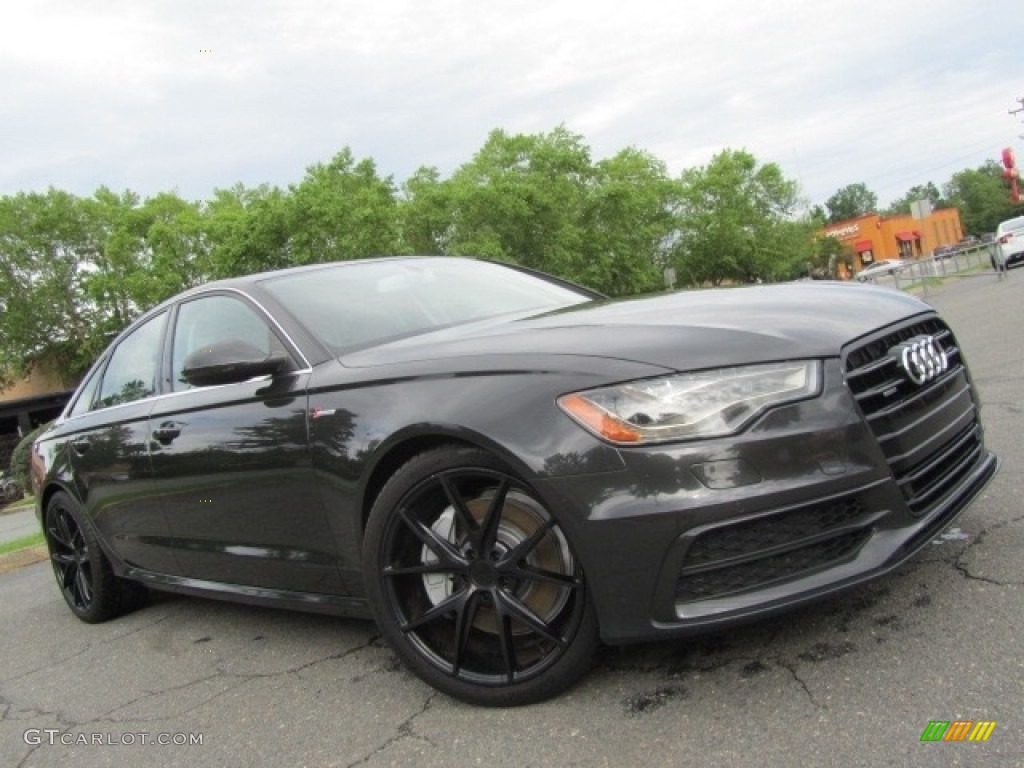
(852,681)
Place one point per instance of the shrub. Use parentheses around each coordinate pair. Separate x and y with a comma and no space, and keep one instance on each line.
(21,459)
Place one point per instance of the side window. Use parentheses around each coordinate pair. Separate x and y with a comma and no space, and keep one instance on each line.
(133,369)
(217,319)
(87,394)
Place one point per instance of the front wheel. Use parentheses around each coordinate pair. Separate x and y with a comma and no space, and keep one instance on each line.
(474,583)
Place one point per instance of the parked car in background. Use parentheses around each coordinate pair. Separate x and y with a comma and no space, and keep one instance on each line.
(1010,241)
(880,268)
(10,488)
(502,468)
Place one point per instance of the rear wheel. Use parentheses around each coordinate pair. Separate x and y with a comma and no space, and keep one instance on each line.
(474,583)
(84,576)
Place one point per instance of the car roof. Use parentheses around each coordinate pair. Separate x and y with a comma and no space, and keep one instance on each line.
(245,284)
(243,281)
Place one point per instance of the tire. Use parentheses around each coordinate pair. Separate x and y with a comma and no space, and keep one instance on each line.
(473,582)
(84,576)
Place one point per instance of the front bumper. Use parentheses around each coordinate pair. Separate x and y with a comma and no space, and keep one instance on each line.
(817,497)
(859,539)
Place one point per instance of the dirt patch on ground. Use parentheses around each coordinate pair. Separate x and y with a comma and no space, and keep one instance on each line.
(22,557)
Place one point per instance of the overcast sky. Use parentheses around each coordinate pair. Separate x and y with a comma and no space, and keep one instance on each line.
(191,96)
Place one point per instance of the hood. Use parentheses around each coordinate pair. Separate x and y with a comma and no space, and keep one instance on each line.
(681,331)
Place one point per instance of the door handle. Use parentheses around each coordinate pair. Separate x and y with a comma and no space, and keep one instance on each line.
(166,432)
(80,446)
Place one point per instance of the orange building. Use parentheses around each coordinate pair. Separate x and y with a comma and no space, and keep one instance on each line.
(872,237)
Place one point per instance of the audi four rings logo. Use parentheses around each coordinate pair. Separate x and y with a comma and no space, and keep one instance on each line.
(921,358)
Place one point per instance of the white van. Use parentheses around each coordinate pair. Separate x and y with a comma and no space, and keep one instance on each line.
(1010,240)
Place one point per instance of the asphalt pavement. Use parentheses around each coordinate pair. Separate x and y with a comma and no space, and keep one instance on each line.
(853,681)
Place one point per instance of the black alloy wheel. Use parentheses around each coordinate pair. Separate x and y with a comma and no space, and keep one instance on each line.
(474,583)
(90,588)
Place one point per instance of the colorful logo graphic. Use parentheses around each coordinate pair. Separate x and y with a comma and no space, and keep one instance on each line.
(958,730)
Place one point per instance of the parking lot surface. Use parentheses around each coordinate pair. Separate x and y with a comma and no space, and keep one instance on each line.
(853,681)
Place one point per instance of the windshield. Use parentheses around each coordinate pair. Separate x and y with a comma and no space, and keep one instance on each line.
(353,305)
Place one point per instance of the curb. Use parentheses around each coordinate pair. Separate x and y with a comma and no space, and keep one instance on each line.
(11,561)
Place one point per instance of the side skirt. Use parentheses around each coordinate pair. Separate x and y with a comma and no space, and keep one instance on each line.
(333,605)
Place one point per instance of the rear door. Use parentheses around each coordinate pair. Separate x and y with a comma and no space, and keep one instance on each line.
(109,450)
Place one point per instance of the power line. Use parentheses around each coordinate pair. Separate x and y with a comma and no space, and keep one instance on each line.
(1019,109)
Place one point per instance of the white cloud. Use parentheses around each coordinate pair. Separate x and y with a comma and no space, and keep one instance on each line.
(193,96)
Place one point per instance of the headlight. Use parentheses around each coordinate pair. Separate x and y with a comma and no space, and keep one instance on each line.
(691,405)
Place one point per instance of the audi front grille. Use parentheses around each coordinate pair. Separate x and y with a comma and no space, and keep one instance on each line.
(924,414)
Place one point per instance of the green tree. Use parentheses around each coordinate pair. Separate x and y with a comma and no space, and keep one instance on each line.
(74,271)
(928,191)
(827,253)
(521,199)
(47,319)
(115,274)
(247,230)
(982,197)
(342,210)
(851,201)
(628,224)
(139,254)
(426,214)
(540,201)
(734,223)
(176,248)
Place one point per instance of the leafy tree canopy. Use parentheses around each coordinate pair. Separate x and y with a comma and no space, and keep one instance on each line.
(47,247)
(734,223)
(982,197)
(929,192)
(850,202)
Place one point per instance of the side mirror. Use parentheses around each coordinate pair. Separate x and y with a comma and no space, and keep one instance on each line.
(229,362)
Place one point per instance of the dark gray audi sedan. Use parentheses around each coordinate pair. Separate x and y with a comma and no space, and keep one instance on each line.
(503,469)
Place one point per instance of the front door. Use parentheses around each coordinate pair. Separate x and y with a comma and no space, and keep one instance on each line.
(232,462)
